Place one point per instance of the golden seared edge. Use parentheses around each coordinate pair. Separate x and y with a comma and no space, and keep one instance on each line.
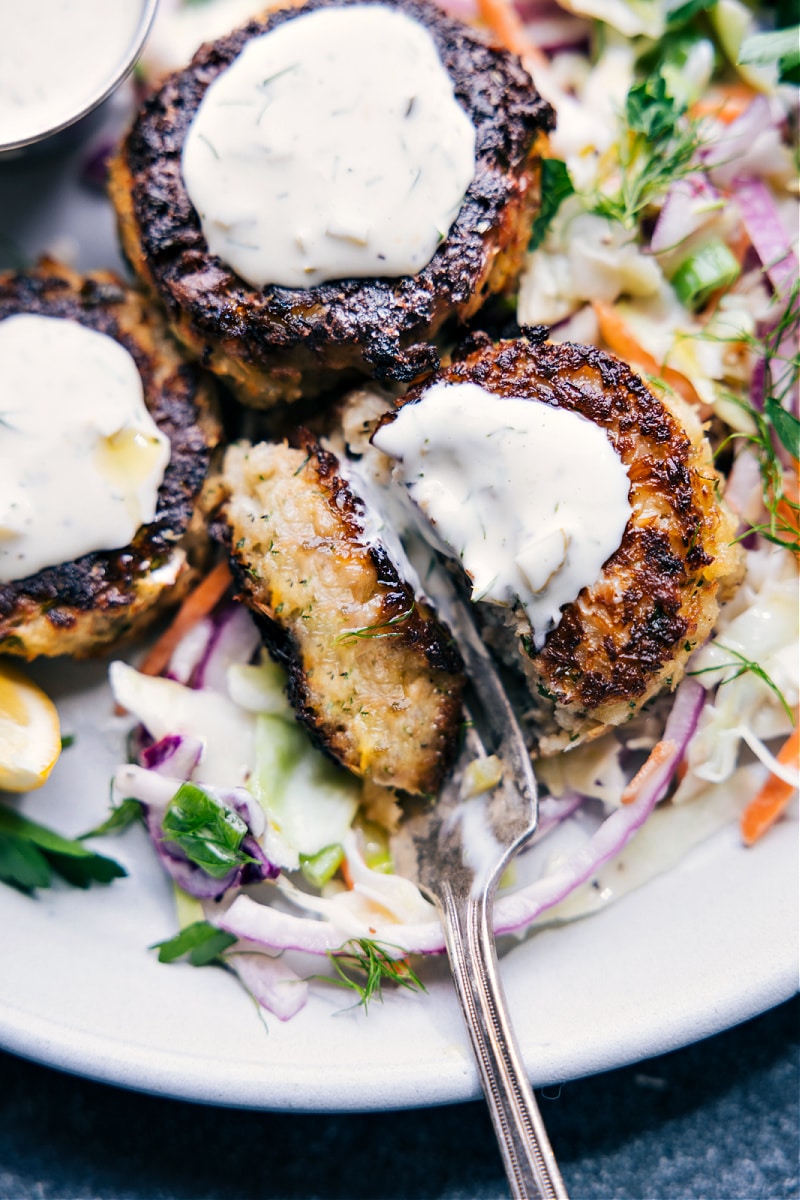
(80,607)
(628,636)
(375,678)
(280,344)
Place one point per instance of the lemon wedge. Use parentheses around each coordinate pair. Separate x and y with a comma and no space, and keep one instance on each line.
(30,733)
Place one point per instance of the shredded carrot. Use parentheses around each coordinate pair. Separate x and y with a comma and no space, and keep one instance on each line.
(784,510)
(619,336)
(347,874)
(661,752)
(198,604)
(725,102)
(505,23)
(740,246)
(764,810)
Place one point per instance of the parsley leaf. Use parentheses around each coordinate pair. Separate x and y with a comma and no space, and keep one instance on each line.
(30,853)
(202,942)
(555,187)
(785,424)
(120,819)
(22,865)
(208,833)
(781,46)
(679,14)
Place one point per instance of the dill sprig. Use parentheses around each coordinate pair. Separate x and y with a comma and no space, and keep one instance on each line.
(774,424)
(372,960)
(656,145)
(381,629)
(742,666)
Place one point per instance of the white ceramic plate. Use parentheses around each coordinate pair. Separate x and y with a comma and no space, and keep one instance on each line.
(695,951)
(709,944)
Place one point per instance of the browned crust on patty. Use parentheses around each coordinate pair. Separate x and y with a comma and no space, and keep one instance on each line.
(280,343)
(373,676)
(629,635)
(78,607)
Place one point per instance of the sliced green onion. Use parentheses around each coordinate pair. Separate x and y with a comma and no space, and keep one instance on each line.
(208,833)
(374,843)
(702,273)
(321,867)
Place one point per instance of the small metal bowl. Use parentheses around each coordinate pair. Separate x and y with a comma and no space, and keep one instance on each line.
(118,70)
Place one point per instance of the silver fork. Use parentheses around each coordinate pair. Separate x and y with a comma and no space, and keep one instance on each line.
(456,850)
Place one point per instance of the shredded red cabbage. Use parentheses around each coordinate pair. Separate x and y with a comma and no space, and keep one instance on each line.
(684,211)
(175,755)
(765,230)
(271,982)
(719,157)
(234,639)
(263,925)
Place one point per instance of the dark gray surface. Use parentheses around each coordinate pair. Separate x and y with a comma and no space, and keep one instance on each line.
(716,1121)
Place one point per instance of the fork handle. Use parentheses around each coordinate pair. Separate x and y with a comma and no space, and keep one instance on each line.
(528,1157)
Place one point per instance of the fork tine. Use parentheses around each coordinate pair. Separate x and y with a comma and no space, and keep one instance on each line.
(487,702)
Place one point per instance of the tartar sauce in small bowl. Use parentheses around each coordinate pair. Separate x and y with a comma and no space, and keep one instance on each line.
(59,59)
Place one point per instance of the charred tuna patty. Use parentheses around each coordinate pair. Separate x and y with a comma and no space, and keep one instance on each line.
(626,634)
(77,607)
(278,343)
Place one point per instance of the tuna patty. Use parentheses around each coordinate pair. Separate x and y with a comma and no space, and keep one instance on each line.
(627,636)
(280,343)
(374,677)
(79,607)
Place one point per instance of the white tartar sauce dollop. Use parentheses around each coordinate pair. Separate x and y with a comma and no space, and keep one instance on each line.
(57,57)
(333,147)
(81,459)
(531,498)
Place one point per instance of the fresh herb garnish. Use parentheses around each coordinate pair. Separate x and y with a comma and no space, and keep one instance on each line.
(781,46)
(208,833)
(656,145)
(210,145)
(679,14)
(202,943)
(67,740)
(741,666)
(31,853)
(120,819)
(785,424)
(780,361)
(380,629)
(555,187)
(363,956)
(276,75)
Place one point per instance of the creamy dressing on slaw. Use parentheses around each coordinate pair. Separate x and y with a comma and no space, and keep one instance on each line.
(81,459)
(333,147)
(531,498)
